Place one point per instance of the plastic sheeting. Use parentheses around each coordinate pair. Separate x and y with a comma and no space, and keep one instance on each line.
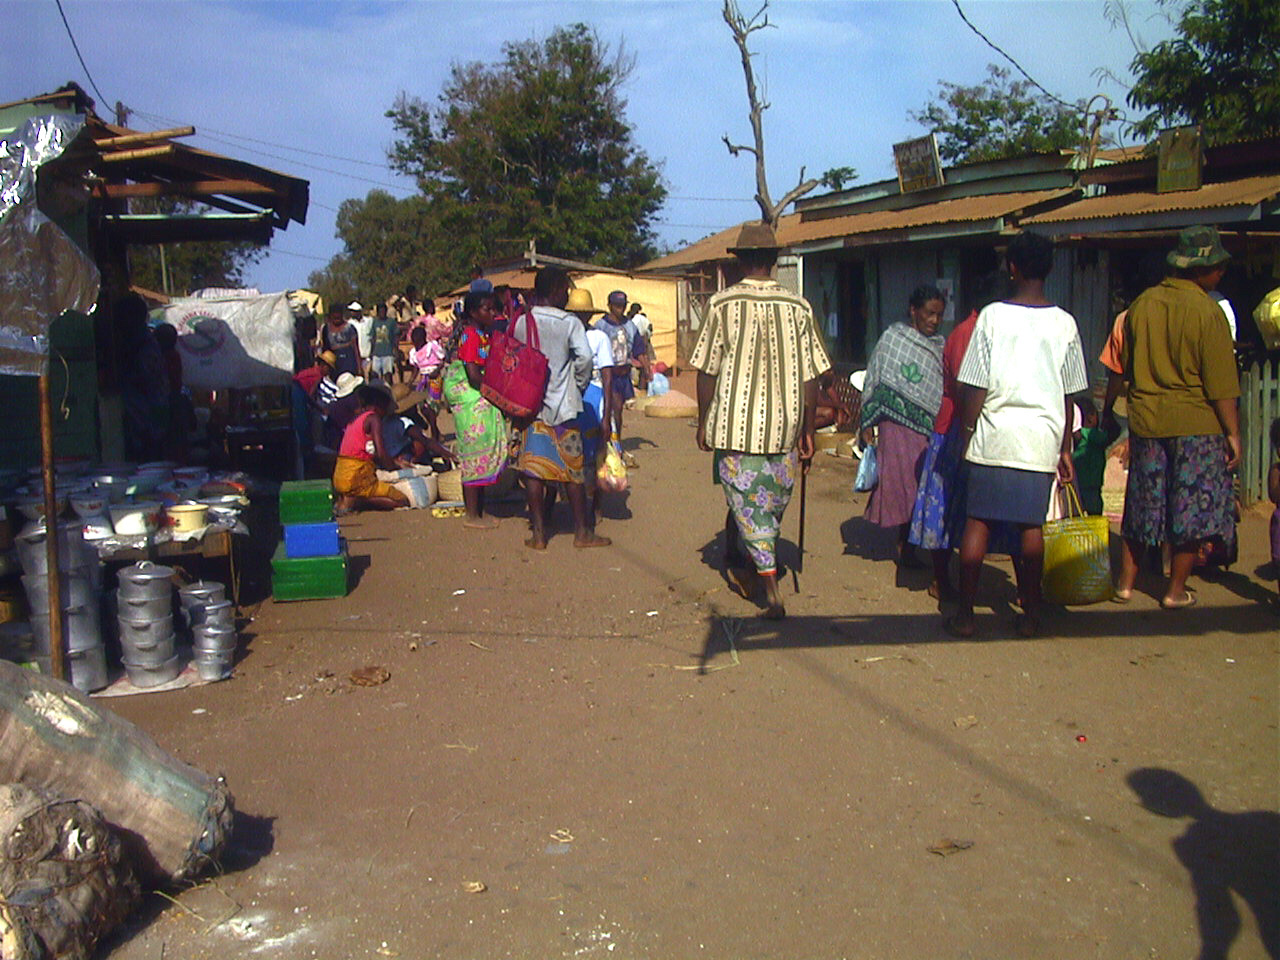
(233,341)
(42,271)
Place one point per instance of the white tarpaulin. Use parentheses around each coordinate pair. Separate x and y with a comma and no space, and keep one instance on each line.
(240,341)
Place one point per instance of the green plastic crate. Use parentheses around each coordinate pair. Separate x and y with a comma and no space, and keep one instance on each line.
(306,501)
(308,578)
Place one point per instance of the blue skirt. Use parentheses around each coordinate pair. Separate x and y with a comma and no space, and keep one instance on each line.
(937,521)
(1004,493)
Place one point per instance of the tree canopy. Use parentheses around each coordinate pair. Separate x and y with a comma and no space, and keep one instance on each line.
(999,117)
(1222,71)
(534,147)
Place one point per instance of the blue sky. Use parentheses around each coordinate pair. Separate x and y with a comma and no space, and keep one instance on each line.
(317,76)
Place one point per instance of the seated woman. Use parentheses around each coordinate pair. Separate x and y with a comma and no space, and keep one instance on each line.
(833,410)
(355,479)
(406,442)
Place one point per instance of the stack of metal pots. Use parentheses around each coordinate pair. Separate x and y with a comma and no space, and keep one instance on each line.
(211,617)
(80,582)
(144,606)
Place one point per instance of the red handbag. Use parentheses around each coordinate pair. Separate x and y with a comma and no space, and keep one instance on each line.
(516,373)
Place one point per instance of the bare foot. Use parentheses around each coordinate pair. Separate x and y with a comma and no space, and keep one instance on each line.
(775,611)
(591,540)
(742,579)
(481,523)
(943,592)
(960,625)
(1027,625)
(533,543)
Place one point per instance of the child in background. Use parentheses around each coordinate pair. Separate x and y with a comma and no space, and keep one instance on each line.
(1273,491)
(1090,453)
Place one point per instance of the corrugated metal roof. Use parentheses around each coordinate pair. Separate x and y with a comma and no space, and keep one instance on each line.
(793,231)
(1233,193)
(959,210)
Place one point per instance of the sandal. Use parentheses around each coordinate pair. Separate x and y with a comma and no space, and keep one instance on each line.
(1122,596)
(1188,600)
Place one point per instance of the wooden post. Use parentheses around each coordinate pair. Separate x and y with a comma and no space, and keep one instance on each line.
(58,664)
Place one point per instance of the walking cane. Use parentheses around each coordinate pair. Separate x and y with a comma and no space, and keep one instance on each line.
(795,578)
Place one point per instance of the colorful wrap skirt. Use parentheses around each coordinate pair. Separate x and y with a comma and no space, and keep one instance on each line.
(480,429)
(900,451)
(553,454)
(937,521)
(757,487)
(1179,490)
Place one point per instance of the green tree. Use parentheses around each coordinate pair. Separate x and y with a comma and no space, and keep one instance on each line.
(188,266)
(534,147)
(1222,71)
(1000,117)
(389,243)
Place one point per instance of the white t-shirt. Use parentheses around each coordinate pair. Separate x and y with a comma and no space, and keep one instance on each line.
(1227,311)
(1027,359)
(642,324)
(601,352)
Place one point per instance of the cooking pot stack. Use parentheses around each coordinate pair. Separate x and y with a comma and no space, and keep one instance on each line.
(211,617)
(144,605)
(80,580)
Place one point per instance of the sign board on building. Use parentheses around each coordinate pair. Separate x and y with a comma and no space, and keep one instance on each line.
(917,163)
(1180,161)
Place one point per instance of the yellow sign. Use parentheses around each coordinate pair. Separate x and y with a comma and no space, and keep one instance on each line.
(918,165)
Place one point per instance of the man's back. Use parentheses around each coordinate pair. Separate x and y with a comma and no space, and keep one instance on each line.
(564,343)
(761,342)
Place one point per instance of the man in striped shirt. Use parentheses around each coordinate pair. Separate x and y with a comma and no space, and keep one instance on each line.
(759,357)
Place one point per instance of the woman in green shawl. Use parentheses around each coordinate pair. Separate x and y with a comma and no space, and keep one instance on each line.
(479,426)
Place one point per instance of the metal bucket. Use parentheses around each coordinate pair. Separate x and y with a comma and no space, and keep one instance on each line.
(150,653)
(213,666)
(143,608)
(87,668)
(81,630)
(146,675)
(77,591)
(214,614)
(142,633)
(145,579)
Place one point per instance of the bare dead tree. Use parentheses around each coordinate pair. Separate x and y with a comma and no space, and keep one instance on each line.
(742,28)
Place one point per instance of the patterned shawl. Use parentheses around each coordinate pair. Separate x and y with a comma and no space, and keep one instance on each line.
(904,379)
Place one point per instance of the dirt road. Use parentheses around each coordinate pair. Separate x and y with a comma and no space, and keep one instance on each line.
(634,765)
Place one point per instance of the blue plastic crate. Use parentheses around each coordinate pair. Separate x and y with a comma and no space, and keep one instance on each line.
(311,540)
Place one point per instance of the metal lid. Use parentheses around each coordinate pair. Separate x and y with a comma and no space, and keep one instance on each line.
(144,571)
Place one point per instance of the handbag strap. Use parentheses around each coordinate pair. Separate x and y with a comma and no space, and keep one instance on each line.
(530,326)
(1073,507)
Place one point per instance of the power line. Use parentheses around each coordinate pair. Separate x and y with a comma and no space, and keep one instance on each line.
(303,256)
(1030,79)
(76,47)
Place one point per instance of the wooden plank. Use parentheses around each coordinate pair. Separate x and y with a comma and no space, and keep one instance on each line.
(196,188)
(141,154)
(131,139)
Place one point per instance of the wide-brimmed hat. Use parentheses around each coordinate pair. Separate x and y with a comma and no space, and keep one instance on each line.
(755,236)
(580,301)
(329,357)
(404,397)
(347,383)
(1198,247)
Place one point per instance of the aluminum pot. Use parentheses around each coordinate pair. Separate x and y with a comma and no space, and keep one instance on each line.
(73,553)
(144,675)
(136,632)
(143,608)
(202,591)
(208,637)
(220,614)
(149,654)
(213,666)
(81,629)
(88,668)
(146,579)
(77,591)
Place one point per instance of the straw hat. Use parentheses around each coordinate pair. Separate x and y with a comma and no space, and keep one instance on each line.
(755,236)
(403,396)
(347,383)
(329,357)
(580,301)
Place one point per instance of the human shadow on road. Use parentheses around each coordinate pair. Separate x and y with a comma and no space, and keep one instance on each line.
(1224,853)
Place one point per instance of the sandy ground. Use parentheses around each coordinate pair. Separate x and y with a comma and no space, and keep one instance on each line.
(635,765)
